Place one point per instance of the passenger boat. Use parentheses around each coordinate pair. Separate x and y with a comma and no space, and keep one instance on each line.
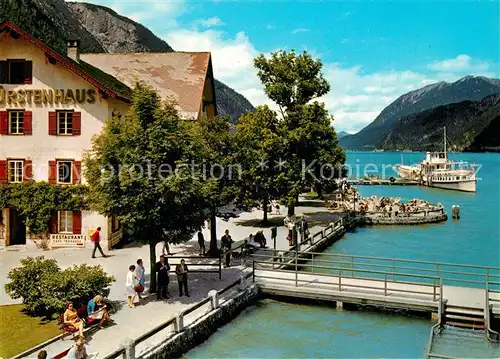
(440,172)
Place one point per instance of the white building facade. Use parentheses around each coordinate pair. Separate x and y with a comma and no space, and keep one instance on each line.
(50,108)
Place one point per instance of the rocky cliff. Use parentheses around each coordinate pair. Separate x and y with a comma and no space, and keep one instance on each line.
(469,125)
(472,88)
(117,33)
(100,29)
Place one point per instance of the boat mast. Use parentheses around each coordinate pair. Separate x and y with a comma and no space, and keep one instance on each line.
(444,128)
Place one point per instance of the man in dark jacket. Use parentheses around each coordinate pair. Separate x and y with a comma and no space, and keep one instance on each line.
(182,277)
(162,268)
(226,243)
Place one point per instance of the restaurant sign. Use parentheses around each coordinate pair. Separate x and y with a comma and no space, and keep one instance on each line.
(46,96)
(67,240)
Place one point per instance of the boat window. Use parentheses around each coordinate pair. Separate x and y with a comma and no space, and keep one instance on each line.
(458,178)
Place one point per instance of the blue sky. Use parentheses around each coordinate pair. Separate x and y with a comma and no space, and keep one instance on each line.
(372,52)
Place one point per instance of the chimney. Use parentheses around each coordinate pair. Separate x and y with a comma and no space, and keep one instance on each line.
(73,47)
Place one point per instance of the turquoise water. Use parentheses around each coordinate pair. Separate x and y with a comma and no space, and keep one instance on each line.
(274,329)
(282,330)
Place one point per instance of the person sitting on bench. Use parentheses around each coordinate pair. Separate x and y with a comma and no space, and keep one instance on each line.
(96,310)
(259,238)
(72,319)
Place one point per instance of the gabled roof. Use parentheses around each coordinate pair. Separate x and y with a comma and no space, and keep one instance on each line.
(178,76)
(95,76)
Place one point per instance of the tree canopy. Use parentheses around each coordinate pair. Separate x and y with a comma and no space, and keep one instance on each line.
(139,170)
(311,155)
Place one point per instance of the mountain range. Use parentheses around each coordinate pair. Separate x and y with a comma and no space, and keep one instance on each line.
(390,126)
(101,29)
(465,122)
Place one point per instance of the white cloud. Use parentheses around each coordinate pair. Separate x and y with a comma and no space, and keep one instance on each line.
(143,10)
(356,97)
(299,30)
(210,22)
(461,64)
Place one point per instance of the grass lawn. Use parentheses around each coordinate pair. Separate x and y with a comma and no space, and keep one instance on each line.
(19,332)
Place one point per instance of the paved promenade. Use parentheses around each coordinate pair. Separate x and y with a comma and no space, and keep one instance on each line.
(131,323)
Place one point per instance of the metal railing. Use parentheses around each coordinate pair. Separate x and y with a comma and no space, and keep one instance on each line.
(176,323)
(204,262)
(436,329)
(492,335)
(450,273)
(340,285)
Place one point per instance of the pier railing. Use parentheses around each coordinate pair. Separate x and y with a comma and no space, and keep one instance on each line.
(331,263)
(428,286)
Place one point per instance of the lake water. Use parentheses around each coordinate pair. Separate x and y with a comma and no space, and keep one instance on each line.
(282,330)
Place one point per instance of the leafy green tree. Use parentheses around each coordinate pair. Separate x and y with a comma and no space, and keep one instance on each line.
(138,169)
(216,163)
(258,146)
(293,81)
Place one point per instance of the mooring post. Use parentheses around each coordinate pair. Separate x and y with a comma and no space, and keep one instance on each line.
(385,285)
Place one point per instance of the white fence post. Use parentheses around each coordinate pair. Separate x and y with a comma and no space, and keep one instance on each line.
(179,323)
(214,295)
(129,346)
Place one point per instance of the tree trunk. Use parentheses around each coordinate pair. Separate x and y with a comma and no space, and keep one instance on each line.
(319,191)
(264,204)
(152,265)
(213,250)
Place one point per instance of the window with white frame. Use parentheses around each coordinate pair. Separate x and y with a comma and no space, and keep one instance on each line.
(64,122)
(16,170)
(65,222)
(16,122)
(64,171)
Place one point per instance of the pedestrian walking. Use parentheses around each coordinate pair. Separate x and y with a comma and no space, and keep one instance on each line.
(166,248)
(96,238)
(201,243)
(226,243)
(130,286)
(182,277)
(162,268)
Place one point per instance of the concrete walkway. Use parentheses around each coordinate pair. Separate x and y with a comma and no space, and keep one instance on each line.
(131,323)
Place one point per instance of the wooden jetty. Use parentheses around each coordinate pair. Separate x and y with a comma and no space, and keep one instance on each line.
(464,296)
(382,182)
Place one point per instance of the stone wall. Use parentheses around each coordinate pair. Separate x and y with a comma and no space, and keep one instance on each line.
(199,331)
(400,220)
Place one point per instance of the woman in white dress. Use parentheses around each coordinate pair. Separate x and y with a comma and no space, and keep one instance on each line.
(130,286)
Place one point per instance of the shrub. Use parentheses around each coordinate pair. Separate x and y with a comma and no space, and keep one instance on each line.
(27,281)
(46,289)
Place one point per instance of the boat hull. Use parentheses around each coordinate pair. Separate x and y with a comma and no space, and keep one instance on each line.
(464,186)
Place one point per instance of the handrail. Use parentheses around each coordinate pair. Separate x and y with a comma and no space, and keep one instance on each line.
(358,270)
(393,259)
(489,332)
(438,325)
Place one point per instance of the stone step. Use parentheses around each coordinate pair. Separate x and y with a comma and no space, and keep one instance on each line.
(465,318)
(464,310)
(466,325)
